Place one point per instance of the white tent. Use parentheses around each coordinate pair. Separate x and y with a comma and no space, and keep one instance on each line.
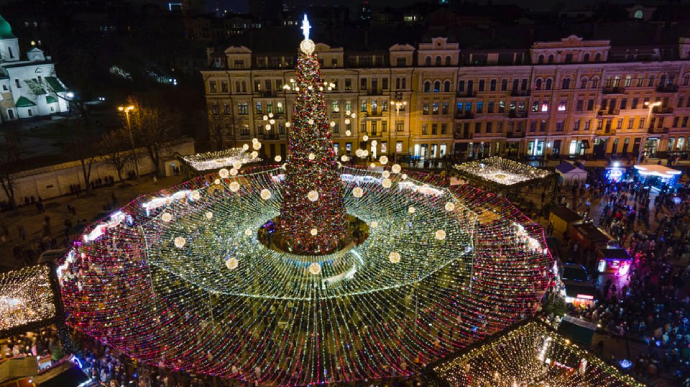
(570,173)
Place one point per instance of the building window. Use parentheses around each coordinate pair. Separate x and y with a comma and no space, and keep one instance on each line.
(492,85)
(226,108)
(348,107)
(549,82)
(259,108)
(631,123)
(489,106)
(427,61)
(447,61)
(624,103)
(437,86)
(576,125)
(446,86)
(499,127)
(597,57)
(17,84)
(559,126)
(542,126)
(224,87)
(537,84)
(583,83)
(686,80)
(438,61)
(243,108)
(363,106)
(588,124)
(400,62)
(535,106)
(579,105)
(640,125)
(444,128)
(425,128)
(545,106)
(461,86)
(501,106)
(619,123)
(399,126)
(482,83)
(384,126)
(565,84)
(348,84)
(551,58)
(31,113)
(427,86)
(504,85)
(363,84)
(590,105)
(651,81)
(638,14)
(445,108)
(434,108)
(562,106)
(595,83)
(541,59)
(489,127)
(434,129)
(634,103)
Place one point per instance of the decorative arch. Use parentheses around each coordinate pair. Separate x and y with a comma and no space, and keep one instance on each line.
(427,61)
(583,82)
(586,58)
(551,58)
(541,59)
(538,84)
(427,86)
(437,86)
(549,83)
(595,82)
(565,83)
(448,60)
(438,61)
(446,86)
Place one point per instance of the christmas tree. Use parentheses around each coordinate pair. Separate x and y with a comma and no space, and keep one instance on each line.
(312,215)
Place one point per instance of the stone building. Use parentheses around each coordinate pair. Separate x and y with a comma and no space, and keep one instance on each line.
(568,97)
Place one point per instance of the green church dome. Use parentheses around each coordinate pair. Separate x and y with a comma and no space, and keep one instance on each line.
(5,29)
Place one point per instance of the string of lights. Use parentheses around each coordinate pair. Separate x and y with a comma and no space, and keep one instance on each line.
(210,161)
(501,171)
(530,355)
(189,278)
(25,297)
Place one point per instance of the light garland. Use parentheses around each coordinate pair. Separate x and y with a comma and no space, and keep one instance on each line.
(530,355)
(25,297)
(382,304)
(501,171)
(234,157)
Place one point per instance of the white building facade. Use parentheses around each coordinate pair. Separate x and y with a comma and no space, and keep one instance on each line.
(29,86)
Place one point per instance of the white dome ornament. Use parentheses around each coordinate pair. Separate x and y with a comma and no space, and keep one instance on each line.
(314,231)
(396,168)
(386,183)
(180,242)
(357,192)
(315,268)
(237,164)
(313,195)
(234,186)
(232,263)
(265,194)
(224,173)
(440,235)
(450,206)
(209,215)
(278,158)
(166,217)
(312,156)
(394,257)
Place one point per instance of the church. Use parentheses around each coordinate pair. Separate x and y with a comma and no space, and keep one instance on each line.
(29,86)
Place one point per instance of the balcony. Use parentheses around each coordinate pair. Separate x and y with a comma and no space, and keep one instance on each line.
(466,94)
(374,92)
(605,132)
(520,93)
(273,137)
(375,113)
(662,111)
(464,115)
(613,90)
(462,136)
(667,89)
(517,114)
(515,134)
(269,94)
(608,113)
(657,131)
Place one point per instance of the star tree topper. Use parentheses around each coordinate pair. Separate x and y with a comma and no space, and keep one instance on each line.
(307,46)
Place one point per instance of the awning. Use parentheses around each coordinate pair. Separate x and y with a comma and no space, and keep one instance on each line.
(35,86)
(577,290)
(55,84)
(585,144)
(24,102)
(51,99)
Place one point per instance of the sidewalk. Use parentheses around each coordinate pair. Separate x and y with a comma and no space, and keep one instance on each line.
(87,207)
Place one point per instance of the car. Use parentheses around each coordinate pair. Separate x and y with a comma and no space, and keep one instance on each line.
(578,290)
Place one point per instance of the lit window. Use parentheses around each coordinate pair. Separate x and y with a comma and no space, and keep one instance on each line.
(545,106)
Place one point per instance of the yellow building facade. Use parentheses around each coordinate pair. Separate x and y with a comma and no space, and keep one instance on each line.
(566,98)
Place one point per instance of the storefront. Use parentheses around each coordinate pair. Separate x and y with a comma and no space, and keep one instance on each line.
(535,147)
(614,260)
(578,147)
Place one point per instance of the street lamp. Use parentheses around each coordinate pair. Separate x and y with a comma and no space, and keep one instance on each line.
(398,105)
(651,107)
(126,110)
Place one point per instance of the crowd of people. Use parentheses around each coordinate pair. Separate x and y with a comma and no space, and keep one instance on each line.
(651,304)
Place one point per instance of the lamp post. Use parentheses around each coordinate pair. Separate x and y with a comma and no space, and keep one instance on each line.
(126,110)
(651,107)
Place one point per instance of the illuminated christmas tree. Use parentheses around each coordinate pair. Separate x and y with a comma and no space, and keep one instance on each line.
(312,215)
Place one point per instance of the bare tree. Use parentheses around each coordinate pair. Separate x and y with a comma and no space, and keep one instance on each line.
(80,142)
(153,127)
(217,128)
(115,147)
(10,161)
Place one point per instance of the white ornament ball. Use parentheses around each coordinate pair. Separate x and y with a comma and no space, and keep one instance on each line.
(404,176)
(224,173)
(265,117)
(265,194)
(217,181)
(348,133)
(450,206)
(245,146)
(271,121)
(347,112)
(278,158)
(347,121)
(440,235)
(257,145)
(365,138)
(394,257)
(196,195)
(372,165)
(270,115)
(237,164)
(255,140)
(268,127)
(365,152)
(209,215)
(386,174)
(383,160)
(344,158)
(312,156)
(332,124)
(234,186)
(386,183)
(357,192)
(287,124)
(353,115)
(411,210)
(315,268)
(314,231)
(359,153)
(233,172)
(248,232)
(396,168)
(374,142)
(311,122)
(232,263)
(313,195)
(374,224)
(254,154)
(180,242)
(166,217)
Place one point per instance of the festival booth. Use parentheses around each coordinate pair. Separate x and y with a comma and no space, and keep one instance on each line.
(589,235)
(613,260)
(563,218)
(656,176)
(569,174)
